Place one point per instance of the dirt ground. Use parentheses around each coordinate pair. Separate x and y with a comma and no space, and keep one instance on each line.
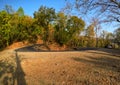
(81,67)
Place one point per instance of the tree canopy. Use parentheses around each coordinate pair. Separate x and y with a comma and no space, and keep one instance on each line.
(51,27)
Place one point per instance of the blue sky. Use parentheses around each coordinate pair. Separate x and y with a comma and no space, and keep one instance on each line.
(30,6)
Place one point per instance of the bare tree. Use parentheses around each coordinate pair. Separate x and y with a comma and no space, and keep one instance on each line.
(97,26)
(107,9)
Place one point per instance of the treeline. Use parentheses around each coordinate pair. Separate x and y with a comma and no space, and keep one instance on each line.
(50,26)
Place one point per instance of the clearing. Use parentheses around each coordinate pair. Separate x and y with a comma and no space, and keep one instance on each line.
(83,67)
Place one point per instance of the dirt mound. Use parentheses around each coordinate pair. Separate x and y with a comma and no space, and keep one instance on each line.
(17,45)
(57,47)
(38,46)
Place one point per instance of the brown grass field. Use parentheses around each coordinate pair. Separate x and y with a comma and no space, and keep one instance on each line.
(82,67)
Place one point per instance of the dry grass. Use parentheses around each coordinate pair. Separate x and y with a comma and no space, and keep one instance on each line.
(86,67)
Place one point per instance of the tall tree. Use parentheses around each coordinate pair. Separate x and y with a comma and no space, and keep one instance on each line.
(90,33)
(44,17)
(75,25)
(117,36)
(97,27)
(20,11)
(106,38)
(5,28)
(68,28)
(9,9)
(61,36)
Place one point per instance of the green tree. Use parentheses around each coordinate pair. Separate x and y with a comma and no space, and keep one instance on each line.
(109,38)
(61,36)
(9,9)
(44,17)
(75,25)
(106,38)
(117,36)
(67,28)
(102,41)
(20,11)
(25,28)
(5,28)
(15,27)
(90,33)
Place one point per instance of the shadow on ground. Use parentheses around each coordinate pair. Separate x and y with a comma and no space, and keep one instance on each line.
(106,63)
(109,52)
(12,73)
(45,48)
(19,74)
(34,48)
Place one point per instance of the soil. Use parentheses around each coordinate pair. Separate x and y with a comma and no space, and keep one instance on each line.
(81,67)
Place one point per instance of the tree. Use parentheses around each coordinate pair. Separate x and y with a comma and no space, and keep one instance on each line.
(75,25)
(97,27)
(9,9)
(106,38)
(109,38)
(117,36)
(67,28)
(90,31)
(108,8)
(20,11)
(61,32)
(102,40)
(45,16)
(5,28)
(24,27)
(14,28)
(90,34)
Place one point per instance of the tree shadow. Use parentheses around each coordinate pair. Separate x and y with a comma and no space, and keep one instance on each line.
(85,49)
(107,63)
(109,52)
(6,73)
(11,74)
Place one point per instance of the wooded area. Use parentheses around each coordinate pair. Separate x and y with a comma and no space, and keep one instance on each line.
(53,27)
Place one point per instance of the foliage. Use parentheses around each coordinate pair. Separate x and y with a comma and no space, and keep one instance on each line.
(9,9)
(20,11)
(90,31)
(75,25)
(61,32)
(90,34)
(117,36)
(14,27)
(67,28)
(52,27)
(5,28)
(105,39)
(45,16)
